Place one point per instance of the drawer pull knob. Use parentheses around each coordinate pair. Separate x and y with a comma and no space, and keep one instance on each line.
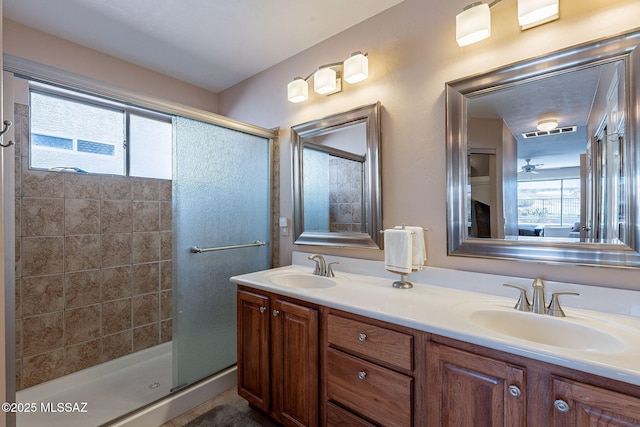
(275,313)
(263,309)
(362,375)
(362,337)
(514,391)
(561,405)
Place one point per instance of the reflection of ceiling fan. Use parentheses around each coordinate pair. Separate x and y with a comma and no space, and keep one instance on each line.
(529,168)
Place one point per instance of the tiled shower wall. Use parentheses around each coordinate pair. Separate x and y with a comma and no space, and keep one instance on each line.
(93,266)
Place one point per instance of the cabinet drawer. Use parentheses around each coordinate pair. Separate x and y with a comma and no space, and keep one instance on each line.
(373,342)
(374,392)
(338,417)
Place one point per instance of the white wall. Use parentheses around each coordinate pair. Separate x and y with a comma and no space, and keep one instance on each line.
(412,54)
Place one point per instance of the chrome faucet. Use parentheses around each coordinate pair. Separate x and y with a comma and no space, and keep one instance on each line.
(539,305)
(321,265)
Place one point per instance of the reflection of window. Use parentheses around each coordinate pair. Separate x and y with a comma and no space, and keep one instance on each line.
(553,202)
(71,130)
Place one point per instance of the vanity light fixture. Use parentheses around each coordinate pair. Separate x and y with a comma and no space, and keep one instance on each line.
(474,22)
(326,80)
(537,12)
(547,125)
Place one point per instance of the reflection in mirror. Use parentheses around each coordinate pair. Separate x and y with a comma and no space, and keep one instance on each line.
(565,193)
(336,179)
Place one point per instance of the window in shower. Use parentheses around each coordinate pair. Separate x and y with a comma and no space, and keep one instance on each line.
(71,131)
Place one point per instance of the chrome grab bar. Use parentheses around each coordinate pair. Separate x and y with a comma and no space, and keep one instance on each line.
(197,250)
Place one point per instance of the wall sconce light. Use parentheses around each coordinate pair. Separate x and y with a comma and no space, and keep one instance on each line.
(474,22)
(547,125)
(326,80)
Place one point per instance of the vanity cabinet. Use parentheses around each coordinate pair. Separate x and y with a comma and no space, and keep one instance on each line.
(278,356)
(577,404)
(369,373)
(464,388)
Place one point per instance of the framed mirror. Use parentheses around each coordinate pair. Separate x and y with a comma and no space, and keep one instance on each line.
(543,158)
(336,180)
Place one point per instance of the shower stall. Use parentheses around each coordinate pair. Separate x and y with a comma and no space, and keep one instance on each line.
(127,277)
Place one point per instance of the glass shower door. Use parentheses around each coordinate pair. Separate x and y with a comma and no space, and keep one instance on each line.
(221,188)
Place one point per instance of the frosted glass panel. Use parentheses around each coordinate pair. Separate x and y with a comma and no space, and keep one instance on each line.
(221,193)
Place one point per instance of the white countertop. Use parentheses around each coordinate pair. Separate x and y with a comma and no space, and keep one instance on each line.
(445,311)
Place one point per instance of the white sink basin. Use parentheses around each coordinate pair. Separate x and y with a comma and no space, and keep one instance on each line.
(558,332)
(301,280)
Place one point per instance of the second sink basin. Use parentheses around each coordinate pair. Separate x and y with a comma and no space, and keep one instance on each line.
(302,280)
(548,330)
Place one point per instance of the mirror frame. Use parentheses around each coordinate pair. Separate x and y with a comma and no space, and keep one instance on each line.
(370,116)
(578,57)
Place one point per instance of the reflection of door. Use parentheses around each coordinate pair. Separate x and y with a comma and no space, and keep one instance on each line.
(221,190)
(487,219)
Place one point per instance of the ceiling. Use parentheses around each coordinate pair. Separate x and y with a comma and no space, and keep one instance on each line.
(213,44)
(566,97)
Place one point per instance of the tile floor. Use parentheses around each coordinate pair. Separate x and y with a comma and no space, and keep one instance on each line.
(229,397)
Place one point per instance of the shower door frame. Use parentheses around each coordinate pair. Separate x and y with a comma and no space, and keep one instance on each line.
(54,76)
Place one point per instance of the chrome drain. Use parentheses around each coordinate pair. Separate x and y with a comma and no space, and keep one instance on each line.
(153,385)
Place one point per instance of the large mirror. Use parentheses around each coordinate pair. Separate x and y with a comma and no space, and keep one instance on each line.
(336,179)
(544,158)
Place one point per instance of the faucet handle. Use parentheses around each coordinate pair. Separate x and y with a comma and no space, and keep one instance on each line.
(330,269)
(523,303)
(554,308)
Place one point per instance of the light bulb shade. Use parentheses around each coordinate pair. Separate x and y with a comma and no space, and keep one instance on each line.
(324,80)
(537,12)
(473,24)
(547,125)
(298,90)
(356,68)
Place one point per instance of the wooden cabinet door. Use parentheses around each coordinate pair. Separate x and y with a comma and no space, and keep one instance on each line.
(295,364)
(577,404)
(464,389)
(253,349)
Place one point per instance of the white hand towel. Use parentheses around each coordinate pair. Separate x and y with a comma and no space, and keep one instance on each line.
(397,251)
(418,248)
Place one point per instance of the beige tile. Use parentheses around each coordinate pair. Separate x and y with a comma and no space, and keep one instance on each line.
(166,216)
(18,338)
(41,183)
(116,249)
(42,294)
(42,255)
(146,216)
(42,368)
(42,216)
(166,331)
(115,282)
(116,216)
(145,309)
(82,252)
(82,324)
(146,189)
(82,356)
(18,252)
(116,188)
(166,306)
(18,214)
(146,278)
(81,186)
(166,275)
(82,216)
(82,288)
(145,337)
(166,242)
(146,247)
(117,345)
(19,375)
(166,190)
(42,333)
(116,316)
(18,296)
